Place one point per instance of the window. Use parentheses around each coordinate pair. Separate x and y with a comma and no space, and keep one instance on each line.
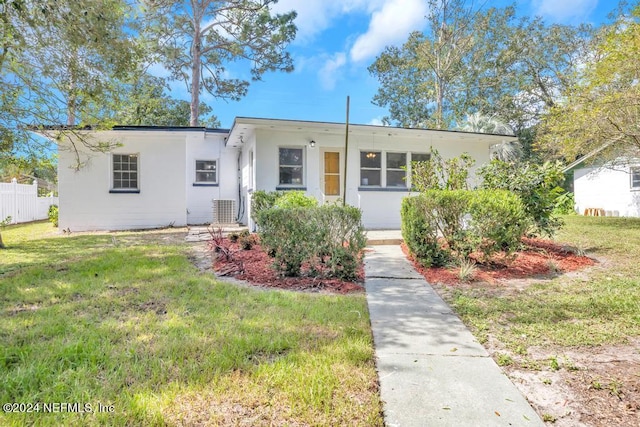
(635,178)
(207,171)
(125,172)
(291,166)
(370,168)
(420,157)
(396,169)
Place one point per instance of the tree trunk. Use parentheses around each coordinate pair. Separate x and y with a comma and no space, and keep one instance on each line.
(2,246)
(72,98)
(196,51)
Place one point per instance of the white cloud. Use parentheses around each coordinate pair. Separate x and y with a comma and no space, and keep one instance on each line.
(564,10)
(328,74)
(376,121)
(315,16)
(391,24)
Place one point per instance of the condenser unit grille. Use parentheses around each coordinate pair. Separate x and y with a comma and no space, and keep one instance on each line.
(224,211)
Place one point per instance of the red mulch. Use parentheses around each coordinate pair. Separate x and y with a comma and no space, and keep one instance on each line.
(255,266)
(535,260)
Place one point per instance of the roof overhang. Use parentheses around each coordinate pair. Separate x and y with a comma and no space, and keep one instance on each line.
(243,127)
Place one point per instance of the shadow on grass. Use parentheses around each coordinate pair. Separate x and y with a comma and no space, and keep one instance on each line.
(87,320)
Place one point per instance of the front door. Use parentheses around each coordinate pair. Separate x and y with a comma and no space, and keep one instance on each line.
(331,179)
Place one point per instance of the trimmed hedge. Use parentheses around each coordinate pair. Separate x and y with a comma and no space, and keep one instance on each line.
(262,200)
(326,239)
(484,221)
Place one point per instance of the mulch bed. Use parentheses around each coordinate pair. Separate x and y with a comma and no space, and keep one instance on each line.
(539,258)
(255,266)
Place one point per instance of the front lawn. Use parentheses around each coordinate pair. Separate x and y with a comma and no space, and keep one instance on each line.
(124,320)
(572,342)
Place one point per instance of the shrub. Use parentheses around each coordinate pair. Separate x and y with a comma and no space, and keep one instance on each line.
(538,186)
(327,239)
(263,200)
(485,221)
(565,204)
(420,231)
(440,174)
(295,199)
(53,215)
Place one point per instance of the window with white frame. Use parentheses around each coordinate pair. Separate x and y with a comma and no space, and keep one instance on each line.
(635,178)
(396,169)
(291,166)
(206,171)
(370,168)
(125,172)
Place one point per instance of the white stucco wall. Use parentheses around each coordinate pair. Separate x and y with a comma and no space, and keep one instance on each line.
(607,189)
(380,207)
(209,146)
(85,199)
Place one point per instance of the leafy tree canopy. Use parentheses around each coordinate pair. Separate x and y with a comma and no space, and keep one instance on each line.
(196,40)
(602,108)
(474,61)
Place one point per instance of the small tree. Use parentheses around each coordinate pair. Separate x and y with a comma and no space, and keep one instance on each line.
(439,174)
(538,185)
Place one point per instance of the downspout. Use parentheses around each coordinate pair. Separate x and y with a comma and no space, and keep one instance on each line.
(240,211)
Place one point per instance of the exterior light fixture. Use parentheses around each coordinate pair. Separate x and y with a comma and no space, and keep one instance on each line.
(312,144)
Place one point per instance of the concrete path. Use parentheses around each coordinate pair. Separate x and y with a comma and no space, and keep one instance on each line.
(432,370)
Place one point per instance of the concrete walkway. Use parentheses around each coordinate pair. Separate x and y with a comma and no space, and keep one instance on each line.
(432,370)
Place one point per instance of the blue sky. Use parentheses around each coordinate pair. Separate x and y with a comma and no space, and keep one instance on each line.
(338,39)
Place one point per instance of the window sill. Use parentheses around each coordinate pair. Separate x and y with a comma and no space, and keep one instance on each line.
(206,184)
(385,189)
(124,191)
(291,188)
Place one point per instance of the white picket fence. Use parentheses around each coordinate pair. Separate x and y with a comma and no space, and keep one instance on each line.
(22,204)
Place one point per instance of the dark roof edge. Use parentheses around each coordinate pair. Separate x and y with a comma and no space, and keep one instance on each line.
(371,126)
(130,127)
(171,128)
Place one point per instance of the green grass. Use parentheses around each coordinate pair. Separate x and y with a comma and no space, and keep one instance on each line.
(125,319)
(599,307)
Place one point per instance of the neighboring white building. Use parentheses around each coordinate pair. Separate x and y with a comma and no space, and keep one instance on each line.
(160,176)
(612,189)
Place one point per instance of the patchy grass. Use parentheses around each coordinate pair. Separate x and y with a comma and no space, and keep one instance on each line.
(124,319)
(602,307)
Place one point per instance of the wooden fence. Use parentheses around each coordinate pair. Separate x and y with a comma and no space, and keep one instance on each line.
(22,204)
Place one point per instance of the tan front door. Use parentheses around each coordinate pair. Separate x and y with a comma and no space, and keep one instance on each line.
(332,175)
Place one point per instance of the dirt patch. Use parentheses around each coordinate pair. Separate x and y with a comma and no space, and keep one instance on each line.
(569,387)
(255,267)
(591,386)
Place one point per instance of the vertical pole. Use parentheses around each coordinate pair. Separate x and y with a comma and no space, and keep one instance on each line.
(346,151)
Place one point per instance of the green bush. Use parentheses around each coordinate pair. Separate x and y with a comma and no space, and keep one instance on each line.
(440,174)
(262,200)
(538,186)
(295,199)
(565,204)
(53,215)
(327,240)
(484,221)
(420,232)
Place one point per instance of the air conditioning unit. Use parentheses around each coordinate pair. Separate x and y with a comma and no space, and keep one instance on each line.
(224,211)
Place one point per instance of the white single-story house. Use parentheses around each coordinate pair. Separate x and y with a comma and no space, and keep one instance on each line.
(160,176)
(612,189)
